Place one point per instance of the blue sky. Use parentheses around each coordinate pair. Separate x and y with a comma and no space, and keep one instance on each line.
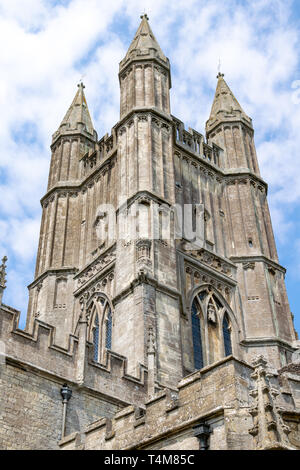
(50,45)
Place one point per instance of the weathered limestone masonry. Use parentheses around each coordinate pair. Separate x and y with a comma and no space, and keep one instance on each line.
(32,374)
(158,305)
(213,405)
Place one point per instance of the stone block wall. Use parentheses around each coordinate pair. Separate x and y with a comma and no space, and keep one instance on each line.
(218,396)
(31,409)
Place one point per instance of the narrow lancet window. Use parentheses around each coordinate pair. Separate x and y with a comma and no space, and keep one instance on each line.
(108,330)
(197,343)
(227,336)
(96,339)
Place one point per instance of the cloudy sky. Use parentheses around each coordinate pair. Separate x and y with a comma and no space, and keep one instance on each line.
(47,46)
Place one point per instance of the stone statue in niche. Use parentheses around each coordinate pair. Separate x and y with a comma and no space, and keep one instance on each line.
(211,313)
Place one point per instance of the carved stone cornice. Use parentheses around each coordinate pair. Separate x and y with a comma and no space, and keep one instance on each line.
(266,341)
(126,66)
(75,187)
(248,260)
(244,176)
(145,278)
(95,268)
(212,261)
(96,285)
(53,272)
(138,112)
(71,135)
(140,197)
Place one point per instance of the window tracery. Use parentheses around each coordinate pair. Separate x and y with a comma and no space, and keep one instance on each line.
(211,328)
(101,328)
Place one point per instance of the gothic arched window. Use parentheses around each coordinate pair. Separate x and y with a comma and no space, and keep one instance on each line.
(197,341)
(101,327)
(211,327)
(227,336)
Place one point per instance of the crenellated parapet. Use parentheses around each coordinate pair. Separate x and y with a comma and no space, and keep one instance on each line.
(169,419)
(38,350)
(100,157)
(215,400)
(194,143)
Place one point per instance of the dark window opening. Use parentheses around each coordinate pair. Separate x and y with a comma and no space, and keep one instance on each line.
(197,343)
(227,336)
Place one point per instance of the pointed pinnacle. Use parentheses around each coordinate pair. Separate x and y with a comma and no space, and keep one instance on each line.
(143,43)
(3,272)
(78,112)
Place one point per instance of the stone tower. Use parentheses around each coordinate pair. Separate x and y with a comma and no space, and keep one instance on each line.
(158,309)
(250,243)
(170,232)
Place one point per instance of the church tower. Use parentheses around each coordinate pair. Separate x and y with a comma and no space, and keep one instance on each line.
(145,262)
(158,316)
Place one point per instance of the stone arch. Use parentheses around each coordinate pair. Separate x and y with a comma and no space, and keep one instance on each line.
(198,335)
(214,309)
(100,325)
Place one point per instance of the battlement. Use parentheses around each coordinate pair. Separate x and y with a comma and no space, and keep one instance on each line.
(168,419)
(105,148)
(194,142)
(217,404)
(37,349)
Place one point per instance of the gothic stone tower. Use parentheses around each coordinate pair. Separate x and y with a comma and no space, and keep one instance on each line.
(156,241)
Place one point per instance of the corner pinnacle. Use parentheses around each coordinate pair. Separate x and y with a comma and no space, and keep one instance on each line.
(3,272)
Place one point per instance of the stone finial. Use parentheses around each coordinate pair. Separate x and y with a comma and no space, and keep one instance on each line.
(3,272)
(2,277)
(78,117)
(224,104)
(143,44)
(269,430)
